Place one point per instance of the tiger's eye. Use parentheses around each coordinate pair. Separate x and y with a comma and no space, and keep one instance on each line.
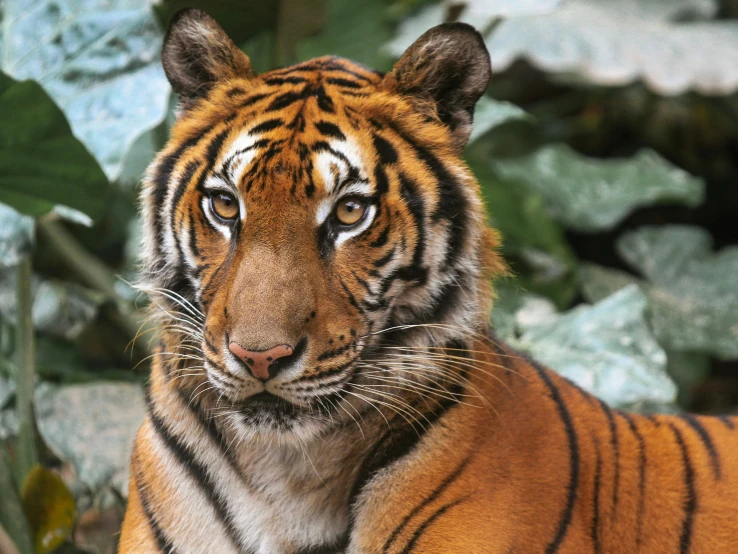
(224,205)
(350,210)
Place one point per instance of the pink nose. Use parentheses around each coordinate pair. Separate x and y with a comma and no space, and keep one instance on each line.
(259,361)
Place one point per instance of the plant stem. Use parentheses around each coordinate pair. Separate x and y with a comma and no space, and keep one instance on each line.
(91,271)
(26,456)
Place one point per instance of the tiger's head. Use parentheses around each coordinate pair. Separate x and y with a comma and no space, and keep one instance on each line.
(307,226)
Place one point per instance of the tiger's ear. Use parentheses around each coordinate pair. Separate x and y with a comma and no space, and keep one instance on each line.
(449,66)
(197,53)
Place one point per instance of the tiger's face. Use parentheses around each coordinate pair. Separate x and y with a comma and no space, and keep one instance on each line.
(304,222)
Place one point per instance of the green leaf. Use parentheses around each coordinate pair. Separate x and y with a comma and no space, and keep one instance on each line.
(100,61)
(480,13)
(93,427)
(532,241)
(599,282)
(633,41)
(667,45)
(693,292)
(17,236)
(49,507)
(490,113)
(59,309)
(12,518)
(353,30)
(41,163)
(606,348)
(589,195)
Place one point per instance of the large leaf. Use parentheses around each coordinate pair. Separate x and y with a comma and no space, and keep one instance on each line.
(693,293)
(49,507)
(480,13)
(606,42)
(532,241)
(99,60)
(490,113)
(16,236)
(41,162)
(588,194)
(606,348)
(93,427)
(59,309)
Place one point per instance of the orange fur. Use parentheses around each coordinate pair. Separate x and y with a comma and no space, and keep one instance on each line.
(470,446)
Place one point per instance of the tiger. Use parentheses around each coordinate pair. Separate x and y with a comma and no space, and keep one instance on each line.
(321,274)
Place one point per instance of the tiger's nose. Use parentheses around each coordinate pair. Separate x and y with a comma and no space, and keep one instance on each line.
(261,363)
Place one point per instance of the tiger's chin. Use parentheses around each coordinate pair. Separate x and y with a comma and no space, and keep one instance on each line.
(265,416)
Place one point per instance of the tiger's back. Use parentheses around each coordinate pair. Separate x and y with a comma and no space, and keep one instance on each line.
(325,379)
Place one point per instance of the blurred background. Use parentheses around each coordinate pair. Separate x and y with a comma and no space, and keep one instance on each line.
(606,147)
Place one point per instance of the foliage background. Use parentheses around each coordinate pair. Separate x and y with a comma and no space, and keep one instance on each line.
(606,147)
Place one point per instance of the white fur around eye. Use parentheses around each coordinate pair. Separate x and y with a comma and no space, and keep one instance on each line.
(222,228)
(343,236)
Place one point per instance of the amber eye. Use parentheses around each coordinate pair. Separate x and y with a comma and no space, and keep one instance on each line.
(349,211)
(224,205)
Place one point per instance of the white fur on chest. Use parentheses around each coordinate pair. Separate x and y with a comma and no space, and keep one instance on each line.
(278,498)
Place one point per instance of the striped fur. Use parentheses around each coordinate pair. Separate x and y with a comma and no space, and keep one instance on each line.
(403,425)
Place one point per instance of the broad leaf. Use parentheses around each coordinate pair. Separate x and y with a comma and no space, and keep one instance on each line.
(693,293)
(480,13)
(588,194)
(16,236)
(41,162)
(49,507)
(93,427)
(490,113)
(99,60)
(532,242)
(604,42)
(606,348)
(615,43)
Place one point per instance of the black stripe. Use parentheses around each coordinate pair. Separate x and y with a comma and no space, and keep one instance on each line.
(415,204)
(282,80)
(235,91)
(208,424)
(330,130)
(268,125)
(287,99)
(704,436)
(197,471)
(401,439)
(451,205)
(182,185)
(162,541)
(690,503)
(213,150)
(343,82)
(435,494)
(387,153)
(381,240)
(641,474)
(615,445)
(595,526)
(252,100)
(427,523)
(727,421)
(384,260)
(572,487)
(162,174)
